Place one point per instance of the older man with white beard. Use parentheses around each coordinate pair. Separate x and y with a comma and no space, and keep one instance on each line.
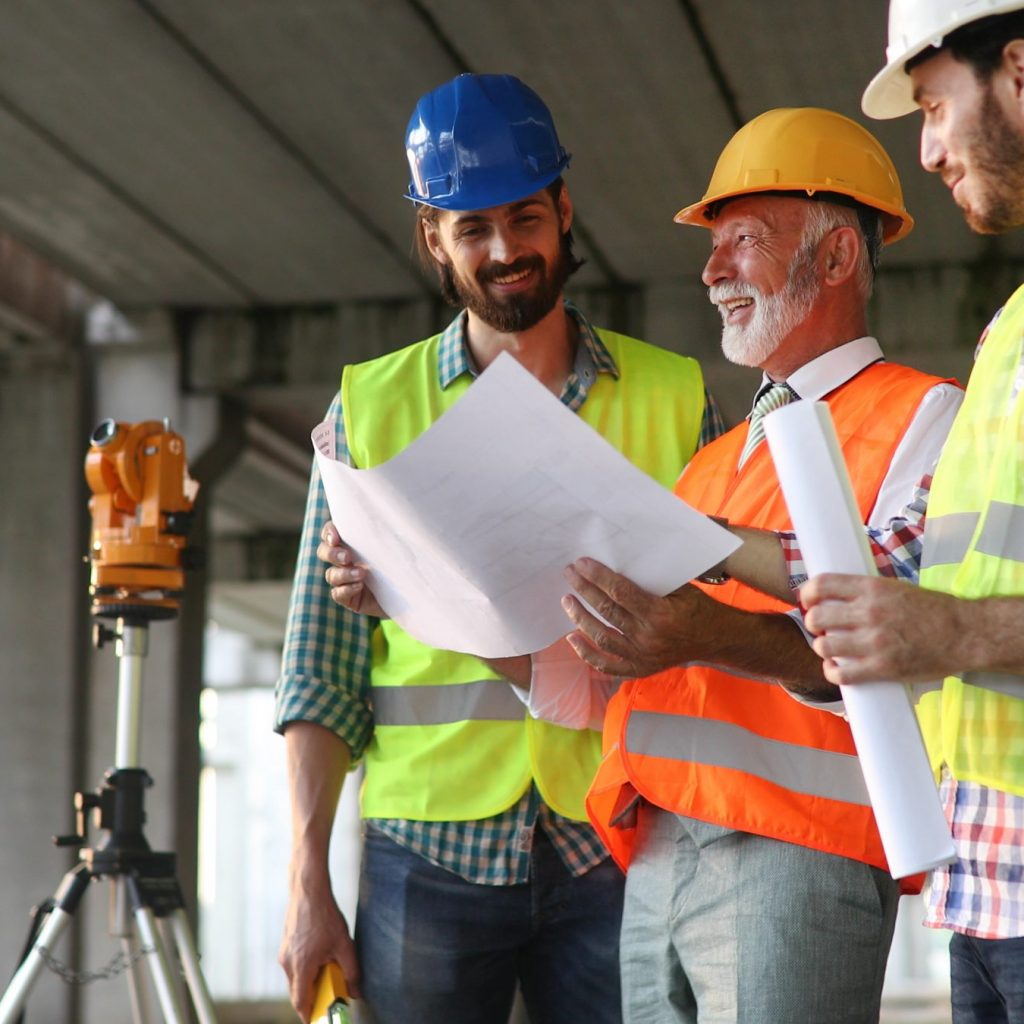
(757,888)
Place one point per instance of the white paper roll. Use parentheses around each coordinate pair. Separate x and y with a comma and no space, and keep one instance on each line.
(816,486)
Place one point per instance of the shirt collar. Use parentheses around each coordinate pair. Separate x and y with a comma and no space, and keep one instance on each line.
(455,359)
(828,371)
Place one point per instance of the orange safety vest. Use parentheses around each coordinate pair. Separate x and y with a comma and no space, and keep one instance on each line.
(738,751)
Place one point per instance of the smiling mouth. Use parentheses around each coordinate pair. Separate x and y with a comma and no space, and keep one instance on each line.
(730,306)
(512,278)
(951,182)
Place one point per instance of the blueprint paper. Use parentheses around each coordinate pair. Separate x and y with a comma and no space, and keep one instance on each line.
(468,530)
(815,484)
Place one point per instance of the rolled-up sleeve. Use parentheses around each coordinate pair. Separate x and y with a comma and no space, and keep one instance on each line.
(325,663)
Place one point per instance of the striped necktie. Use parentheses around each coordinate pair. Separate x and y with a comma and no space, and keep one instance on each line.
(774,397)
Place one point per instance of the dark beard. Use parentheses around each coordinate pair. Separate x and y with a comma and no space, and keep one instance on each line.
(517,312)
(997,150)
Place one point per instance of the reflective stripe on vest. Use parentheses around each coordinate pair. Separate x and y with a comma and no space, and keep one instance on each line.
(487,700)
(828,774)
(1000,682)
(1003,532)
(948,538)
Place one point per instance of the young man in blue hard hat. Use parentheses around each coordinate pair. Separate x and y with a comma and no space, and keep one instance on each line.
(962,64)
(480,872)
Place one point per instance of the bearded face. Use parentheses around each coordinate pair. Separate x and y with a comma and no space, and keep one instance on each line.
(992,195)
(775,316)
(514,312)
(972,136)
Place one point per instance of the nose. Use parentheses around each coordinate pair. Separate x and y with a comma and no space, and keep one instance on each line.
(718,267)
(503,246)
(933,153)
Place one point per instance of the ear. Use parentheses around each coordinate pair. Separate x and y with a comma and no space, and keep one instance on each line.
(564,210)
(432,237)
(1013,65)
(841,248)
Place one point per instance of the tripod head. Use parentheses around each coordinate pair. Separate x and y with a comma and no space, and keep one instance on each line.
(141,509)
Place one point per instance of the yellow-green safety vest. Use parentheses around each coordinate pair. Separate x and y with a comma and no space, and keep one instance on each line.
(973,548)
(451,741)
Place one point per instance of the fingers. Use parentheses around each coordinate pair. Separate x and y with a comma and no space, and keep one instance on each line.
(345,576)
(614,597)
(832,586)
(331,549)
(597,644)
(348,595)
(346,960)
(597,658)
(600,635)
(300,991)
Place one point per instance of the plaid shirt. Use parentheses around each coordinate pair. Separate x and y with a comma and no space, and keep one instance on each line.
(896,548)
(982,893)
(325,671)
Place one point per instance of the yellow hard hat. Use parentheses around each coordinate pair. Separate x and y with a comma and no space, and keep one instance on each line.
(806,150)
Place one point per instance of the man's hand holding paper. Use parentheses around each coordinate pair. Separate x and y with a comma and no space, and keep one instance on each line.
(346,577)
(637,633)
(464,535)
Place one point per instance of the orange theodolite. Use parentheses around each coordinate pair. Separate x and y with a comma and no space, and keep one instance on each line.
(141,511)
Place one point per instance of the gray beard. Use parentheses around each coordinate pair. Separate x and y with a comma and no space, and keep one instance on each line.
(775,316)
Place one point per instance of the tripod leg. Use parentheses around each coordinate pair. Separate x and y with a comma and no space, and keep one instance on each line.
(163,980)
(136,983)
(189,957)
(67,899)
(122,926)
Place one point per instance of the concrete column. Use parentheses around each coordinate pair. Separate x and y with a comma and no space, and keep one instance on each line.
(43,630)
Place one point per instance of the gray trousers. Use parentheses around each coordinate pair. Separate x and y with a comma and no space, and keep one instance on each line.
(722,926)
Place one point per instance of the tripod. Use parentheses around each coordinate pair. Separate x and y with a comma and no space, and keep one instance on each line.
(148,908)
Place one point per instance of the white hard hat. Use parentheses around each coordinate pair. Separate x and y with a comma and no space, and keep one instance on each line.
(914,25)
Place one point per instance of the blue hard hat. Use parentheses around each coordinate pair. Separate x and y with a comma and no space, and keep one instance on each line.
(480,141)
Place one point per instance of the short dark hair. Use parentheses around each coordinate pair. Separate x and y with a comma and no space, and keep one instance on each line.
(443,271)
(978,44)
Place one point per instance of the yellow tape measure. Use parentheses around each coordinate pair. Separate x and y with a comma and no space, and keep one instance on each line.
(330,1005)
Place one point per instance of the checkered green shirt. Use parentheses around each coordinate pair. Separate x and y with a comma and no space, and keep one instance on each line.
(325,670)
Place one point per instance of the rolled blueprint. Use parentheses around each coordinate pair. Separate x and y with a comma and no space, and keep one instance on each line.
(899,781)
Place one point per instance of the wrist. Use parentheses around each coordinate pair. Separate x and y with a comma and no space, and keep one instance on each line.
(716,575)
(311,878)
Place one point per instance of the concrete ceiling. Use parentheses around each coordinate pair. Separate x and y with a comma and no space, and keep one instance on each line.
(248,154)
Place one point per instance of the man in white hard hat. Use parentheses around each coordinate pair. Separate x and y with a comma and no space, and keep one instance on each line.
(962,64)
(757,890)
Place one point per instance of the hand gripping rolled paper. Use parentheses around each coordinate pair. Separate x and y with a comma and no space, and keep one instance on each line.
(899,781)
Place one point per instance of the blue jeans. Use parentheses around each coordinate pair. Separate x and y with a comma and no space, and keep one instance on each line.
(436,949)
(987,976)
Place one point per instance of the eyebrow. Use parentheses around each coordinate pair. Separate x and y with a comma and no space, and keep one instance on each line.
(477,218)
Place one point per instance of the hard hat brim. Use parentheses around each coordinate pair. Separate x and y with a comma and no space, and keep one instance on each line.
(897,223)
(467,199)
(891,93)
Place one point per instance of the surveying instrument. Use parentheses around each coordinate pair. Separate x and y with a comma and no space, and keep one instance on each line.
(141,507)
